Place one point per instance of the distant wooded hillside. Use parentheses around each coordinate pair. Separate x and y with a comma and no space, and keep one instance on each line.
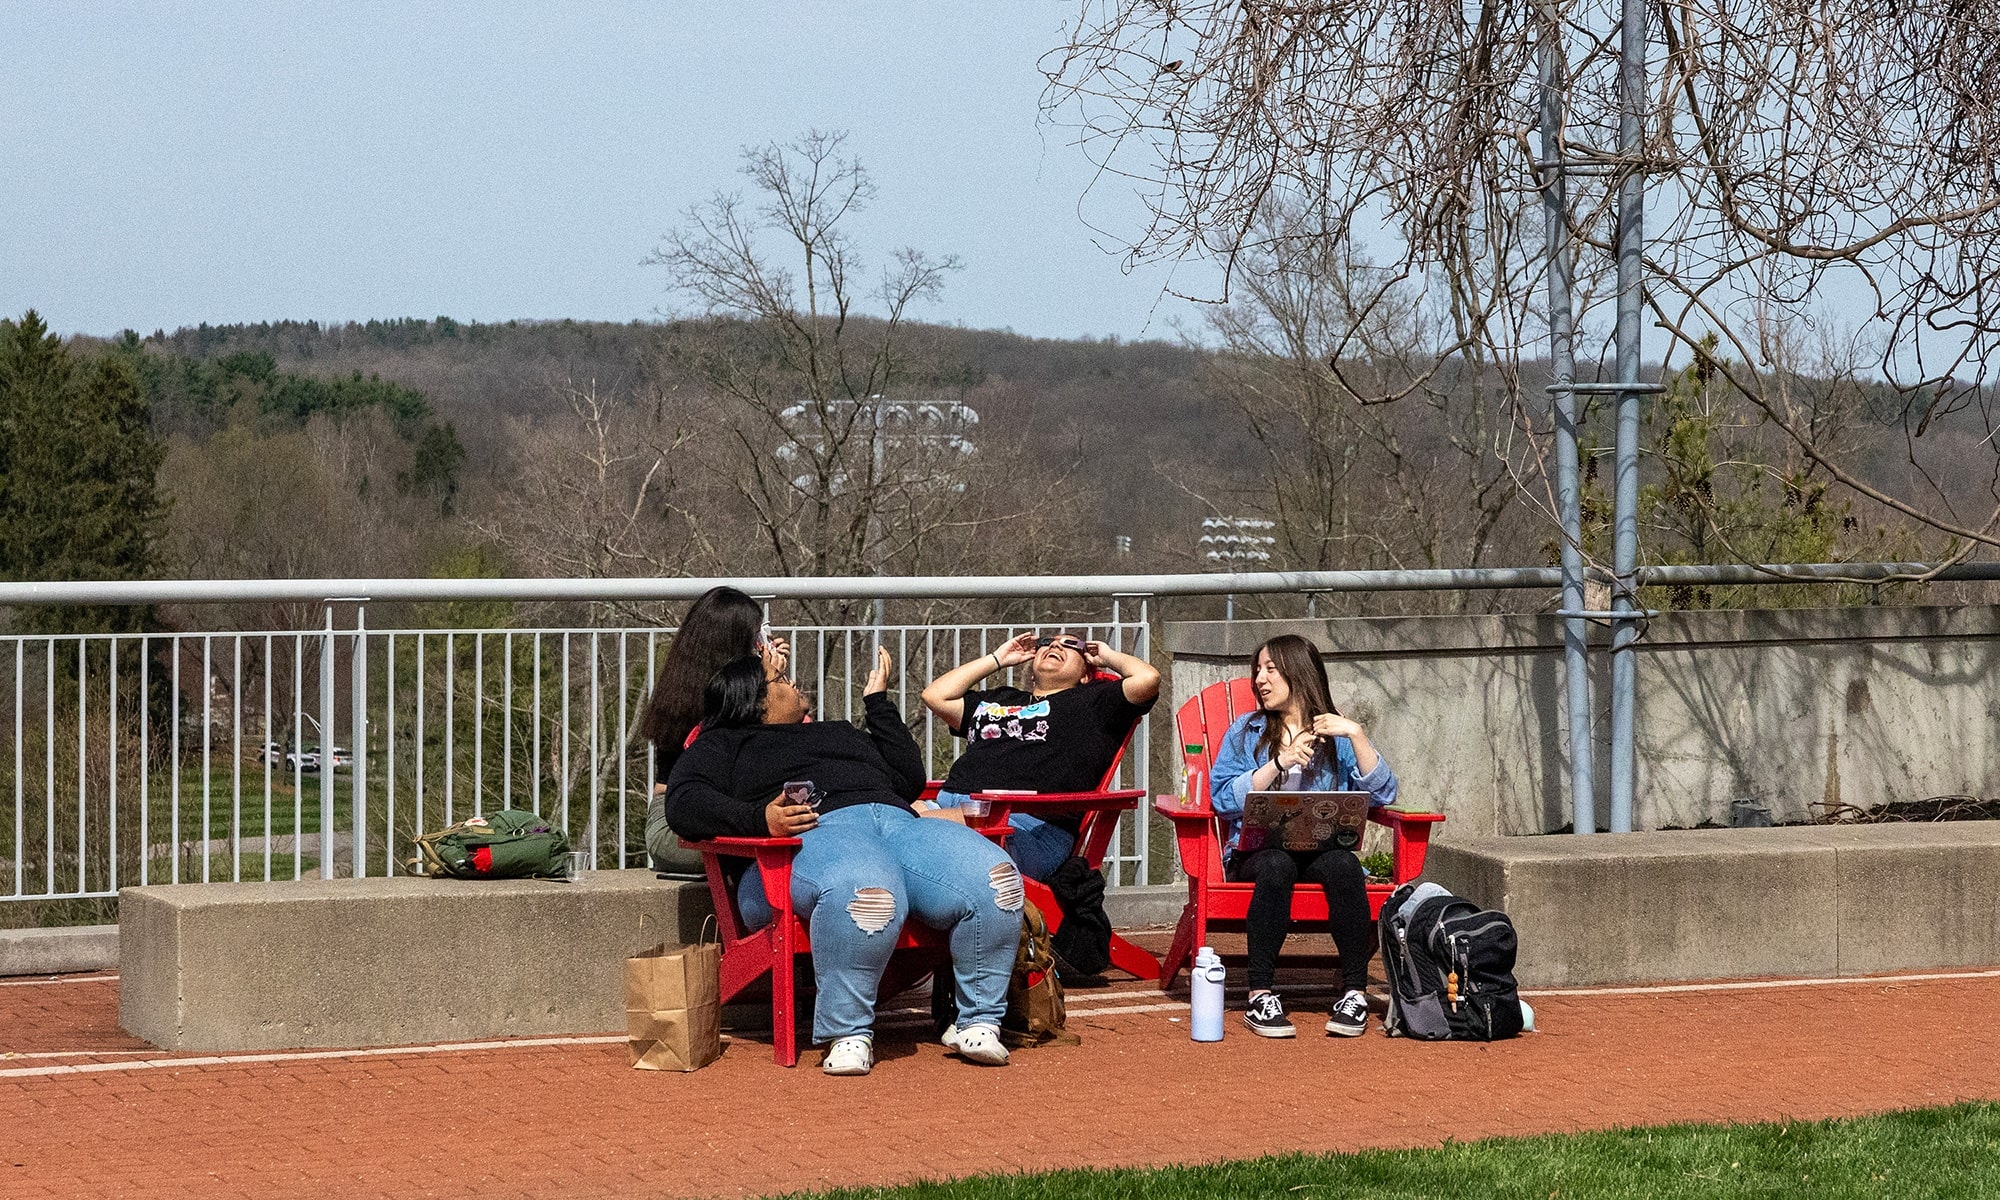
(562,447)
(1127,419)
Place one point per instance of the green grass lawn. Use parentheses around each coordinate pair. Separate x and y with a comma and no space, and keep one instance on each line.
(1935,1152)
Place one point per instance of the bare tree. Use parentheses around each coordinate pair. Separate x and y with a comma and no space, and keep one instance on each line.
(1313,335)
(851,450)
(598,490)
(1800,157)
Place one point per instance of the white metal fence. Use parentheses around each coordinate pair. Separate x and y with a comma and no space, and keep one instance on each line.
(275,755)
(198,756)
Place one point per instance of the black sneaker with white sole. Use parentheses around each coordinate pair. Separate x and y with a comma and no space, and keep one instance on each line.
(1349,1017)
(1267,1018)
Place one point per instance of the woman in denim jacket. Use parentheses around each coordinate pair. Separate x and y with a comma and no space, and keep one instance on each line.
(1298,741)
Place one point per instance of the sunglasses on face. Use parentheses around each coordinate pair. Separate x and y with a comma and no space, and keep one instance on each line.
(1066,643)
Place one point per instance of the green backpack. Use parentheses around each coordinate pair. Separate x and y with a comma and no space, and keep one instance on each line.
(509,844)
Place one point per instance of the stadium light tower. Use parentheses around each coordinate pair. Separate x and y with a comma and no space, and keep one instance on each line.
(1234,542)
(891,425)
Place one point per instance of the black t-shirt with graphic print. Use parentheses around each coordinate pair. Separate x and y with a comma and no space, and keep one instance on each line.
(1063,742)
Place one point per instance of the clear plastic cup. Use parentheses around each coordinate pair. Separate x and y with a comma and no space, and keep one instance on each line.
(574,865)
(977,807)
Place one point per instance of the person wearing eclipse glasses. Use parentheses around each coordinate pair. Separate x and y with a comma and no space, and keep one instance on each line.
(1059,734)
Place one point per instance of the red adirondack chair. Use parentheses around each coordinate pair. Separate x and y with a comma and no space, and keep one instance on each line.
(1097,814)
(1214,902)
(748,955)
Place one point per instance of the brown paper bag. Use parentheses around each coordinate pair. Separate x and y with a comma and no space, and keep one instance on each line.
(673,1009)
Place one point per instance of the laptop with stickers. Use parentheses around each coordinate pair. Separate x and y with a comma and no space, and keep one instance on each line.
(1304,821)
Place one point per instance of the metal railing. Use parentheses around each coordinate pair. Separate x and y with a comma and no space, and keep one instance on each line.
(205,757)
(219,756)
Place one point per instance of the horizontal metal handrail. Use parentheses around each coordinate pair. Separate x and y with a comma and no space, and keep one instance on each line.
(951,587)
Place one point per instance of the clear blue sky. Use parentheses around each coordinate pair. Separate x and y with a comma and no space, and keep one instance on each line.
(173,164)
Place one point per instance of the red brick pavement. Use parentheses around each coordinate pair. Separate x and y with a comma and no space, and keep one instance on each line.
(414,1123)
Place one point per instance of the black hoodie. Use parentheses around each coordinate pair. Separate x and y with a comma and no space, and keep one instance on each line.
(723,782)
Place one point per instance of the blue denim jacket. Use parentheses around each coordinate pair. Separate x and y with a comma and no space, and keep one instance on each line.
(1236,760)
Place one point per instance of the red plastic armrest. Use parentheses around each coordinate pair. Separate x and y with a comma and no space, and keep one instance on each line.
(1059,801)
(1411,834)
(1171,807)
(739,847)
(1392,816)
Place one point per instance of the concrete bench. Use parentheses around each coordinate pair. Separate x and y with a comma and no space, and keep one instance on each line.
(383,962)
(389,962)
(1826,900)
(58,951)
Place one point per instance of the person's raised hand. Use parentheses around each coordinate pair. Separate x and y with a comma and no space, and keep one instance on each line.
(878,679)
(1018,650)
(1335,725)
(785,819)
(1095,653)
(777,655)
(1297,751)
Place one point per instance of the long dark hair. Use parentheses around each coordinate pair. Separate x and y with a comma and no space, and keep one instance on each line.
(722,625)
(734,696)
(1299,661)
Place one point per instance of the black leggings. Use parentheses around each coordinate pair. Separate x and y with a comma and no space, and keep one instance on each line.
(1340,874)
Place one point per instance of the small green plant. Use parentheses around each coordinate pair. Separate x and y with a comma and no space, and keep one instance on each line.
(1376,864)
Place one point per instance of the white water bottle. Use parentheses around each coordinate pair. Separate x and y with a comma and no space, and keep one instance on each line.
(1205,995)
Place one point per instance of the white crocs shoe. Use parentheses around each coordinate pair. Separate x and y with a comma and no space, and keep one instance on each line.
(850,1056)
(980,1043)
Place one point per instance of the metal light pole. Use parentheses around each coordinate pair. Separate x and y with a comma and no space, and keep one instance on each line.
(1625,522)
(1629,169)
(1562,368)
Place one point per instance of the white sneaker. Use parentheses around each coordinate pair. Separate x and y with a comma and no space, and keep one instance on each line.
(980,1043)
(850,1056)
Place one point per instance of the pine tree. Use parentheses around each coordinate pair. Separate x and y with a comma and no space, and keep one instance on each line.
(78,462)
(35,374)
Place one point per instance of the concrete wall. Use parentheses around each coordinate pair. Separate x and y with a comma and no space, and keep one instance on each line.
(385,962)
(1824,900)
(1785,707)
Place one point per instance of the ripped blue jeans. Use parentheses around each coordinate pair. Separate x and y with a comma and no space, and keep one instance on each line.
(1038,846)
(866,868)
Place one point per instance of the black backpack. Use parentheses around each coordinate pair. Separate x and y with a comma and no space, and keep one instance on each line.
(1451,970)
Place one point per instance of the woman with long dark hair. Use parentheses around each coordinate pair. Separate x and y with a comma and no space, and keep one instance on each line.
(866,861)
(724,624)
(1296,740)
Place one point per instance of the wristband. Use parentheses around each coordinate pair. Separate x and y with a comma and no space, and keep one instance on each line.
(996,662)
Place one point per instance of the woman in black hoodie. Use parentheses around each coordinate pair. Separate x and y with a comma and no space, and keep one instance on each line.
(866,861)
